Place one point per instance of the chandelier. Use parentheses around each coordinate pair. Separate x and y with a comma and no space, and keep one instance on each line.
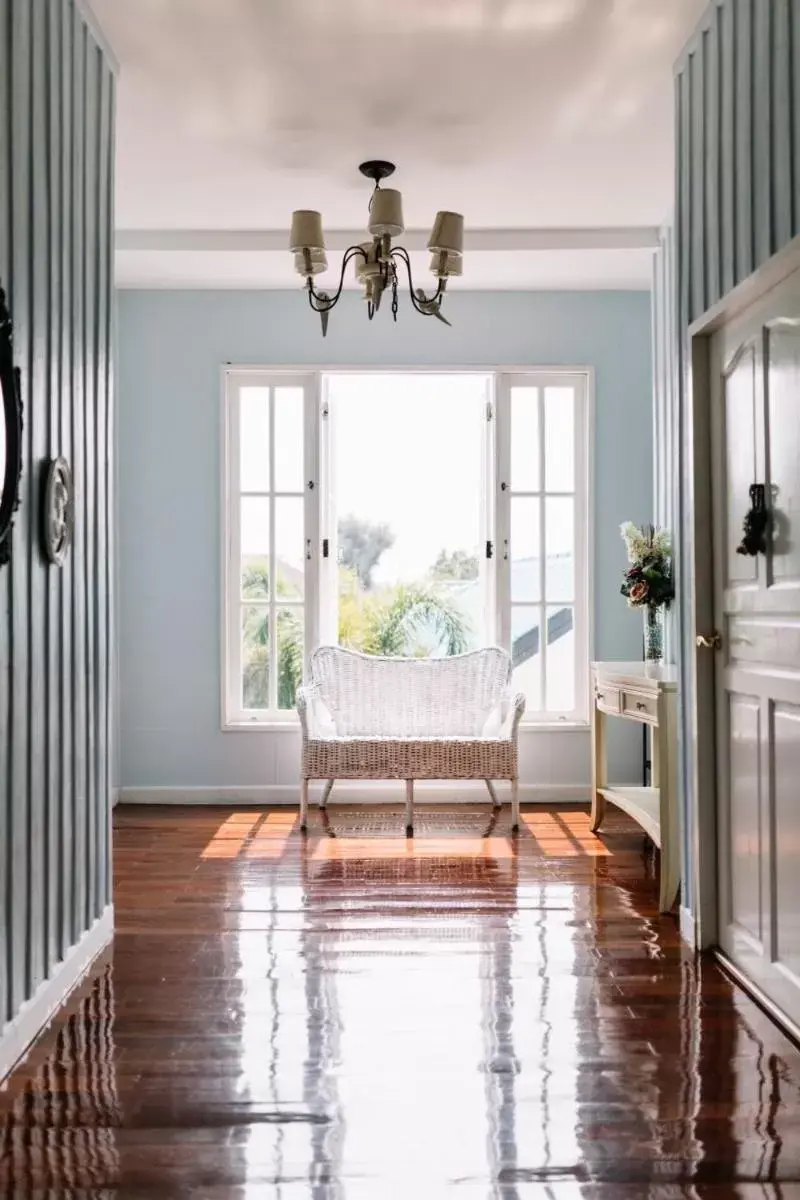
(376,262)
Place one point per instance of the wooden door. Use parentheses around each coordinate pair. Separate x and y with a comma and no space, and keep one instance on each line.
(755,366)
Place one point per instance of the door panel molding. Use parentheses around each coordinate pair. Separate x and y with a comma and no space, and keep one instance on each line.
(749,299)
(748,407)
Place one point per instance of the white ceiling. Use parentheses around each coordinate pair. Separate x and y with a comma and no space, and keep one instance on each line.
(523,114)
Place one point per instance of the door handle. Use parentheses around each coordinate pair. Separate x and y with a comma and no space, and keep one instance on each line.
(709,641)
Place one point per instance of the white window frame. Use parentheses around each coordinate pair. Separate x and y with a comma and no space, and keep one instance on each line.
(234,715)
(580,382)
(318,515)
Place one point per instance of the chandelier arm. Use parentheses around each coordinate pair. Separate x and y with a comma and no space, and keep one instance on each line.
(319,301)
(427,306)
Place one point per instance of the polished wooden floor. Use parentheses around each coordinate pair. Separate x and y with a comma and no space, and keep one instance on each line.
(358,1016)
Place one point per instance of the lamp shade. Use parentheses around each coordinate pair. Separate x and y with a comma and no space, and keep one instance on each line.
(447,234)
(306,231)
(386,212)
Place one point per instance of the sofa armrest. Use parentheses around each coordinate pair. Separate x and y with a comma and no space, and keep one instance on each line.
(315,719)
(513,708)
(503,721)
(304,710)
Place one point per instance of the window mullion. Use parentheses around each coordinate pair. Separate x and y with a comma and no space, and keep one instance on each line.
(273,582)
(488,565)
(582,547)
(234,696)
(502,513)
(543,545)
(312,518)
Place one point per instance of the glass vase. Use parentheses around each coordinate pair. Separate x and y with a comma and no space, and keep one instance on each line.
(653,635)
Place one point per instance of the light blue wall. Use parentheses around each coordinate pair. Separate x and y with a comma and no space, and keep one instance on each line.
(171,348)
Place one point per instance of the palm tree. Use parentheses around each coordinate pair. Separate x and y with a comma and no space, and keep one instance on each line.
(408,611)
(255,636)
(391,622)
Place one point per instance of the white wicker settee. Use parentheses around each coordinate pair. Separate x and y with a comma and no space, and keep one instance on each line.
(365,717)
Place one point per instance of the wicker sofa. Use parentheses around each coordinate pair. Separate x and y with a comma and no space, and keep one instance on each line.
(365,717)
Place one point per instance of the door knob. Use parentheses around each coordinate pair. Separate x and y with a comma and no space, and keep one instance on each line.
(709,641)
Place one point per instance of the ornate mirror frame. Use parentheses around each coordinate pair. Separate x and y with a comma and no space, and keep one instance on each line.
(11,469)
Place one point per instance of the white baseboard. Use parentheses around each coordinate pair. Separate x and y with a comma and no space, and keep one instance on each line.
(377,791)
(687,927)
(34,1015)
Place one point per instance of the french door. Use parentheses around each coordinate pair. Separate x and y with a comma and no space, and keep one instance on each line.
(755,365)
(405,512)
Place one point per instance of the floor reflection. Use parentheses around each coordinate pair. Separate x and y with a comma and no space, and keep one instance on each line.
(59,1116)
(414,988)
(357,1015)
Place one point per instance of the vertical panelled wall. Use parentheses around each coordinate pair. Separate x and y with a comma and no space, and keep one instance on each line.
(665,394)
(56,180)
(737,202)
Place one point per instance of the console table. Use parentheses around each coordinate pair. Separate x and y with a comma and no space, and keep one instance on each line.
(648,695)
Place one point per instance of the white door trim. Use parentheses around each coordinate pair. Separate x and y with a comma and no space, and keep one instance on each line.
(696,435)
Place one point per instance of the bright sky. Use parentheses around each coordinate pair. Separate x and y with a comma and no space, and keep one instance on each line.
(408,452)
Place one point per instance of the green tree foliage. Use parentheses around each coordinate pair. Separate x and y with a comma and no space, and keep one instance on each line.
(255,637)
(389,621)
(455,565)
(361,545)
(392,621)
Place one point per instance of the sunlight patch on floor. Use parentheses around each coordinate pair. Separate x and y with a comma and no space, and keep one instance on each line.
(232,834)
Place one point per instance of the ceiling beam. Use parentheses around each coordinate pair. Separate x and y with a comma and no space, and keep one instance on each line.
(270,241)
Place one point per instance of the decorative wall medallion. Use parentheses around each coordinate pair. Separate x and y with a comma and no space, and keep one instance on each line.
(59,511)
(10,432)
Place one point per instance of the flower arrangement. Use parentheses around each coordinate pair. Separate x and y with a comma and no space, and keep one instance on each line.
(648,580)
(647,584)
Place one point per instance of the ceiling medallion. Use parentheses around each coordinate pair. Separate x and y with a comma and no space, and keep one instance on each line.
(59,511)
(376,261)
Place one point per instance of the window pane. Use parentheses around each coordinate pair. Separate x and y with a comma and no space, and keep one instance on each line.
(255,656)
(526,653)
(290,655)
(254,439)
(524,439)
(289,548)
(559,444)
(560,659)
(255,547)
(289,439)
(525,549)
(559,515)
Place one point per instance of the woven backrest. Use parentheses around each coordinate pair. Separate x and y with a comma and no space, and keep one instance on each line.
(368,696)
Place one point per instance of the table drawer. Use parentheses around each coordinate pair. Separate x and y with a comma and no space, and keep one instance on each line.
(640,705)
(607,698)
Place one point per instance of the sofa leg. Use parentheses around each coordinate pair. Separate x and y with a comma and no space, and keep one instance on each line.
(492,793)
(515,806)
(326,794)
(409,808)
(303,805)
